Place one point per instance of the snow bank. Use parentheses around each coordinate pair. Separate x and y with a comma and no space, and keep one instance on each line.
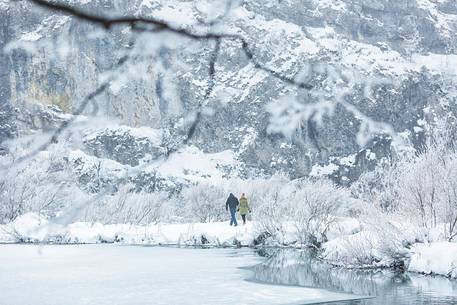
(31,228)
(25,228)
(372,249)
(435,258)
(359,249)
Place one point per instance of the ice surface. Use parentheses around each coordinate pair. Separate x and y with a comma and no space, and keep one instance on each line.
(110,274)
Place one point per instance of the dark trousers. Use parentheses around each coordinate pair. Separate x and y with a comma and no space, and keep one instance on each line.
(244,218)
(233,217)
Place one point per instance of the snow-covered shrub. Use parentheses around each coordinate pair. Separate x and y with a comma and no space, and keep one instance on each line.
(448,211)
(270,199)
(313,207)
(299,210)
(42,185)
(426,190)
(204,202)
(128,206)
(420,189)
(382,242)
(435,258)
(353,250)
(377,187)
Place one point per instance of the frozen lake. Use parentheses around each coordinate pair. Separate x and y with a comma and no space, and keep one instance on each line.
(134,275)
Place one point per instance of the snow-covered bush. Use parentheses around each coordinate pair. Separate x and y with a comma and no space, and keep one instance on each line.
(313,208)
(352,250)
(409,202)
(129,207)
(204,202)
(383,241)
(450,199)
(426,190)
(270,200)
(377,187)
(299,210)
(42,185)
(420,189)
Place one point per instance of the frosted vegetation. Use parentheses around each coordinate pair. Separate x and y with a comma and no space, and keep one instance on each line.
(386,219)
(72,171)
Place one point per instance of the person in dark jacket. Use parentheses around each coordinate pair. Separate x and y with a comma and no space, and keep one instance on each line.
(232,204)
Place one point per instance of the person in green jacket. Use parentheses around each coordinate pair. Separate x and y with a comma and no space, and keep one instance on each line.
(243,208)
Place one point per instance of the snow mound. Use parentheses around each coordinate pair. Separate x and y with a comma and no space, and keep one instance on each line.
(28,224)
(435,258)
(29,227)
(353,250)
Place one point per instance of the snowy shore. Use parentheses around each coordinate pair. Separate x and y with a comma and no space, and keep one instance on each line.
(33,229)
(428,258)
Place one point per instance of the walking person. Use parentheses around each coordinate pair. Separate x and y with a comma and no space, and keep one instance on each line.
(232,204)
(244,207)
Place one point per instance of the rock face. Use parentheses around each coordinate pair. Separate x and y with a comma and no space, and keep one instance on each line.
(400,54)
(127,146)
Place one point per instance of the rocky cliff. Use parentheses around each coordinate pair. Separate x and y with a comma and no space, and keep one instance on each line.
(399,56)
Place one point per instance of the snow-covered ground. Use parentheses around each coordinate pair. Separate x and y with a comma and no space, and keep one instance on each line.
(107,274)
(31,228)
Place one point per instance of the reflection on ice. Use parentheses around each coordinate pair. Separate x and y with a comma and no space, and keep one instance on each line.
(294,267)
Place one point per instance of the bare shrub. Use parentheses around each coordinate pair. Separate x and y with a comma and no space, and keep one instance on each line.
(129,207)
(43,186)
(313,208)
(205,202)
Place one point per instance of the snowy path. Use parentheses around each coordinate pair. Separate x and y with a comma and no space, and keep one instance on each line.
(118,275)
